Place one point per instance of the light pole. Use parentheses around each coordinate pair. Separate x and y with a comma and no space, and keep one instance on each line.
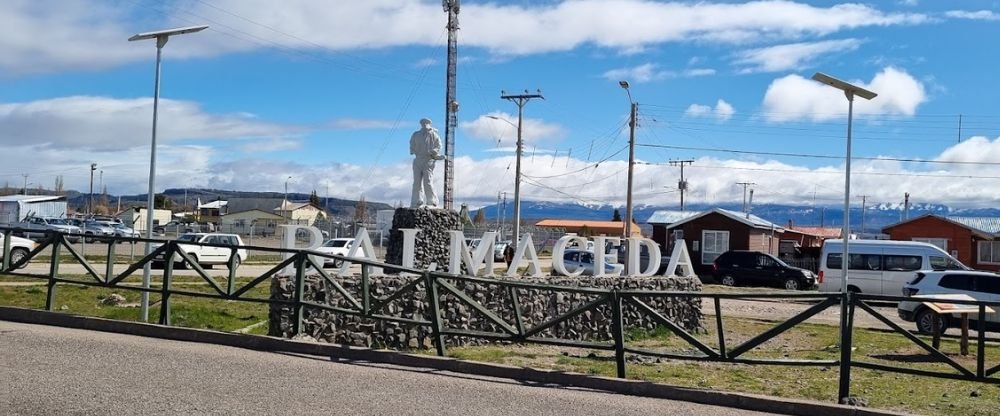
(850,91)
(627,232)
(284,202)
(90,202)
(161,37)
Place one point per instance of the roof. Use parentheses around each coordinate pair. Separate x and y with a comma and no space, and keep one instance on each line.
(585,223)
(824,232)
(747,219)
(213,205)
(292,206)
(986,227)
(31,198)
(669,216)
(264,213)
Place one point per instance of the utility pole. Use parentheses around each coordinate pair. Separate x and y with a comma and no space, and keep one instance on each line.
(682,185)
(450,103)
(959,128)
(745,185)
(520,100)
(750,203)
(503,213)
(498,215)
(864,202)
(25,190)
(90,208)
(906,206)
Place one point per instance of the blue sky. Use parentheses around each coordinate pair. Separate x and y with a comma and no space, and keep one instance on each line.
(329,94)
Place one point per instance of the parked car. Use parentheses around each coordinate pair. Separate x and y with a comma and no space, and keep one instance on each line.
(576,259)
(498,250)
(176,226)
(736,267)
(207,256)
(880,267)
(39,227)
(118,229)
(19,248)
(340,247)
(984,286)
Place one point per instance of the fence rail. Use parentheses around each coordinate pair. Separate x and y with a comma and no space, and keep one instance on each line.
(368,306)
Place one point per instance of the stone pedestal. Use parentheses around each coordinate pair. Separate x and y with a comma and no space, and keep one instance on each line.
(432,242)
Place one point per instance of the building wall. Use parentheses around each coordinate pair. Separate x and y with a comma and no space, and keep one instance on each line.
(959,238)
(266,223)
(306,215)
(739,236)
(763,241)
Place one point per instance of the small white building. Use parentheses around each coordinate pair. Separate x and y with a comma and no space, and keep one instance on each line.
(15,208)
(135,217)
(299,212)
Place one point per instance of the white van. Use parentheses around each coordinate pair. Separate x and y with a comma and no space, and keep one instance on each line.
(880,267)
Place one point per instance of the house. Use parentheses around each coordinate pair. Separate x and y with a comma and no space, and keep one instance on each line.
(135,217)
(303,213)
(212,211)
(15,208)
(975,241)
(662,219)
(256,221)
(710,233)
(589,228)
(800,240)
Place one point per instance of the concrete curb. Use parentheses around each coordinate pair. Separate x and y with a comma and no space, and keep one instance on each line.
(270,344)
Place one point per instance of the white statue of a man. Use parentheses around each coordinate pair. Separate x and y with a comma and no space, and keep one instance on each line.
(425,146)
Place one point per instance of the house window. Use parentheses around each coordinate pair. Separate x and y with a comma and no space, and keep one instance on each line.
(989,252)
(714,243)
(942,243)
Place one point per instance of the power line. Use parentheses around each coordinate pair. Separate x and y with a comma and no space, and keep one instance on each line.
(833,172)
(817,156)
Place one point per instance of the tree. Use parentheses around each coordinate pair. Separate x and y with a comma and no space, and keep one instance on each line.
(361,211)
(314,199)
(585,231)
(59,185)
(161,202)
(480,218)
(617,216)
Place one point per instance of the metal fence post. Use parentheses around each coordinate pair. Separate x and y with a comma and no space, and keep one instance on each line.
(6,249)
(618,332)
(50,296)
(846,343)
(300,289)
(168,271)
(432,298)
(365,295)
(720,328)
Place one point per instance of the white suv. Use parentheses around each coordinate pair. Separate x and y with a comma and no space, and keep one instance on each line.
(982,286)
(208,256)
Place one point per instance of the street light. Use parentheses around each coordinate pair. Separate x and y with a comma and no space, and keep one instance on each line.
(850,91)
(627,232)
(161,37)
(520,100)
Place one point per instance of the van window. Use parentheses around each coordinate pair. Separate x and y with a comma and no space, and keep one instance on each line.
(766,261)
(988,284)
(957,282)
(858,261)
(942,263)
(897,263)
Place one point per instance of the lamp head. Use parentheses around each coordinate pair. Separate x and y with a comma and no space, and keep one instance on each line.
(623,84)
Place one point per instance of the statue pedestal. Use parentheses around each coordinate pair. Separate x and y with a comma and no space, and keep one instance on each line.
(432,242)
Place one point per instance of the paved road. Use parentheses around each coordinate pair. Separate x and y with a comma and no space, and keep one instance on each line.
(50,370)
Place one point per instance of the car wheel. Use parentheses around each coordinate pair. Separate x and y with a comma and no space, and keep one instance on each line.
(728,280)
(925,322)
(338,264)
(792,284)
(194,260)
(236,262)
(17,255)
(88,238)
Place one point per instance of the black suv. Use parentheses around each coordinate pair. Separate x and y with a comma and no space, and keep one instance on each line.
(759,269)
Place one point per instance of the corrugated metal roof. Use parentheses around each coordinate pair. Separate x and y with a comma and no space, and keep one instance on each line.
(594,225)
(669,216)
(989,225)
(752,219)
(213,205)
(31,198)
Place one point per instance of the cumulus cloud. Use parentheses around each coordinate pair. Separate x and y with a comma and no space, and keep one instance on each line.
(501,128)
(90,34)
(987,15)
(791,56)
(653,72)
(793,97)
(104,123)
(361,124)
(723,111)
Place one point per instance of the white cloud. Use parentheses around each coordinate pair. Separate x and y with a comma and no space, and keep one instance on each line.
(723,111)
(91,34)
(653,72)
(103,123)
(498,131)
(791,56)
(987,15)
(362,124)
(424,63)
(794,97)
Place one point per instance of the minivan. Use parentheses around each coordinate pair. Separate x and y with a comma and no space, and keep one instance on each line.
(880,267)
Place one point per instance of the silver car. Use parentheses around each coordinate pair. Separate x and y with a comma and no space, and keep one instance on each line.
(576,259)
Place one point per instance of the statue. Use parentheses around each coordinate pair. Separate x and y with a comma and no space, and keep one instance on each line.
(425,146)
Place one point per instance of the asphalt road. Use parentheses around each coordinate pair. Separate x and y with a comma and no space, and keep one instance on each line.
(51,370)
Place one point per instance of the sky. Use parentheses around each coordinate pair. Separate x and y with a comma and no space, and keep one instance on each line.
(324,96)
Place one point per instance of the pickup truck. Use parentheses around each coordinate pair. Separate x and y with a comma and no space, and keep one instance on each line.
(207,256)
(19,249)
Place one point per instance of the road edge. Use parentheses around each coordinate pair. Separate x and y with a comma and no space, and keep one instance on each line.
(743,401)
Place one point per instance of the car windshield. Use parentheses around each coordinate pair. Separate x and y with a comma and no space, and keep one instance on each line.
(188,237)
(336,243)
(57,221)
